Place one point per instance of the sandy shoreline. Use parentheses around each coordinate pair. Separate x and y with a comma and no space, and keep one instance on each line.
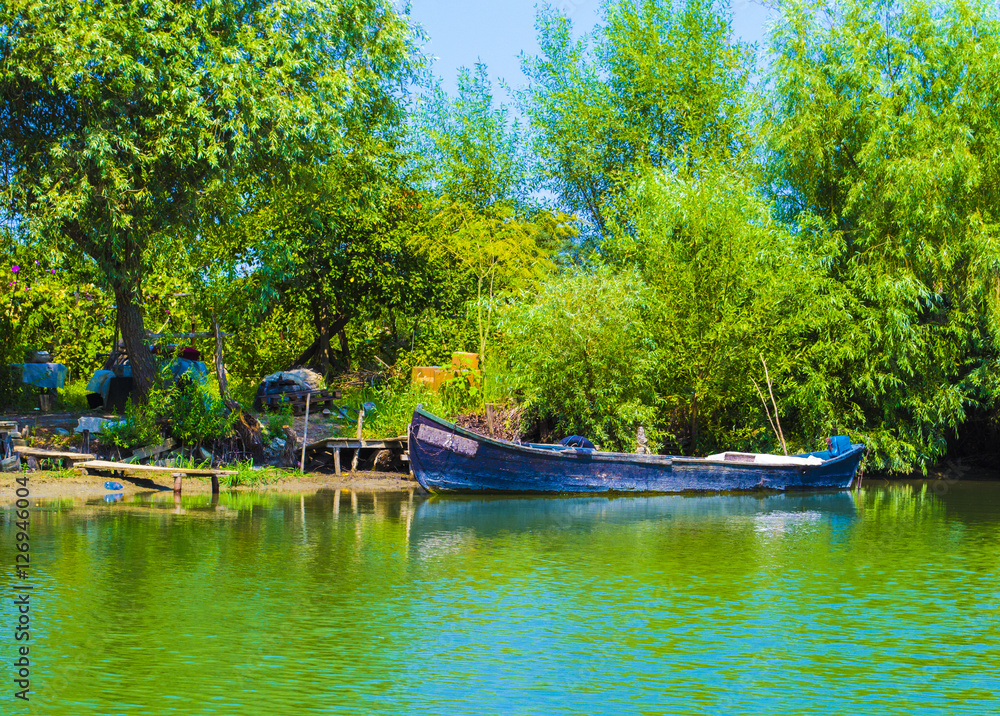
(55,485)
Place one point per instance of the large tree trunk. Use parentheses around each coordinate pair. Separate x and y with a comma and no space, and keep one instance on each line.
(321,353)
(123,268)
(345,348)
(133,329)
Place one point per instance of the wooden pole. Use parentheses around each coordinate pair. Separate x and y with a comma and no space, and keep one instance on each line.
(220,366)
(357,451)
(215,486)
(767,410)
(777,421)
(178,477)
(305,436)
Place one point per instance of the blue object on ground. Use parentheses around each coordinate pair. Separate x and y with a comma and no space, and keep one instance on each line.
(112,485)
(196,369)
(44,375)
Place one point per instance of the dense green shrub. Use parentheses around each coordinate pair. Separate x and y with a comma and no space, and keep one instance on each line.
(182,408)
(580,352)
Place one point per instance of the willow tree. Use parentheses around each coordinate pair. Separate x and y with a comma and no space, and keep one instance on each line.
(887,130)
(482,229)
(729,288)
(120,122)
(655,84)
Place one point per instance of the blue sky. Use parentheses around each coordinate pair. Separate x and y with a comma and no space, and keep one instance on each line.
(497,31)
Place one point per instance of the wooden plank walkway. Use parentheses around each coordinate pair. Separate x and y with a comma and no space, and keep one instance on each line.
(129,467)
(178,472)
(53,454)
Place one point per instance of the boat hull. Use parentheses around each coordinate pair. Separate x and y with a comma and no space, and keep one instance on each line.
(447,458)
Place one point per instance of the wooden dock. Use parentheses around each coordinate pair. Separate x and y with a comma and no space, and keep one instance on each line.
(333,446)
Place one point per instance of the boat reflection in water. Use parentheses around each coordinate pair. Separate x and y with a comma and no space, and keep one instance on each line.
(486,516)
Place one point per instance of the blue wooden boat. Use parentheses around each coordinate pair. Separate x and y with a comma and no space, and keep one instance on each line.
(447,458)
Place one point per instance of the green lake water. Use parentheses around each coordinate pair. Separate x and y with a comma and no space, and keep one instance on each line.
(885,601)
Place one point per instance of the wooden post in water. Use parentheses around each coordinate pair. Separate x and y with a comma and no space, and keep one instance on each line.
(178,477)
(336,501)
(354,502)
(215,486)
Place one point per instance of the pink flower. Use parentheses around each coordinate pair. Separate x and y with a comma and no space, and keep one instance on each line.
(53,270)
(15,269)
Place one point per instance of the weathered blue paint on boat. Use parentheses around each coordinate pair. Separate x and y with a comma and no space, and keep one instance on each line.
(447,458)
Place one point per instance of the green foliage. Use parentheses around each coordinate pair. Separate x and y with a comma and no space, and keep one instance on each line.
(328,247)
(245,474)
(74,396)
(46,304)
(469,147)
(193,415)
(278,419)
(263,346)
(580,353)
(395,405)
(730,287)
(670,333)
(482,234)
(886,128)
(122,126)
(655,84)
(495,249)
(181,408)
(137,428)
